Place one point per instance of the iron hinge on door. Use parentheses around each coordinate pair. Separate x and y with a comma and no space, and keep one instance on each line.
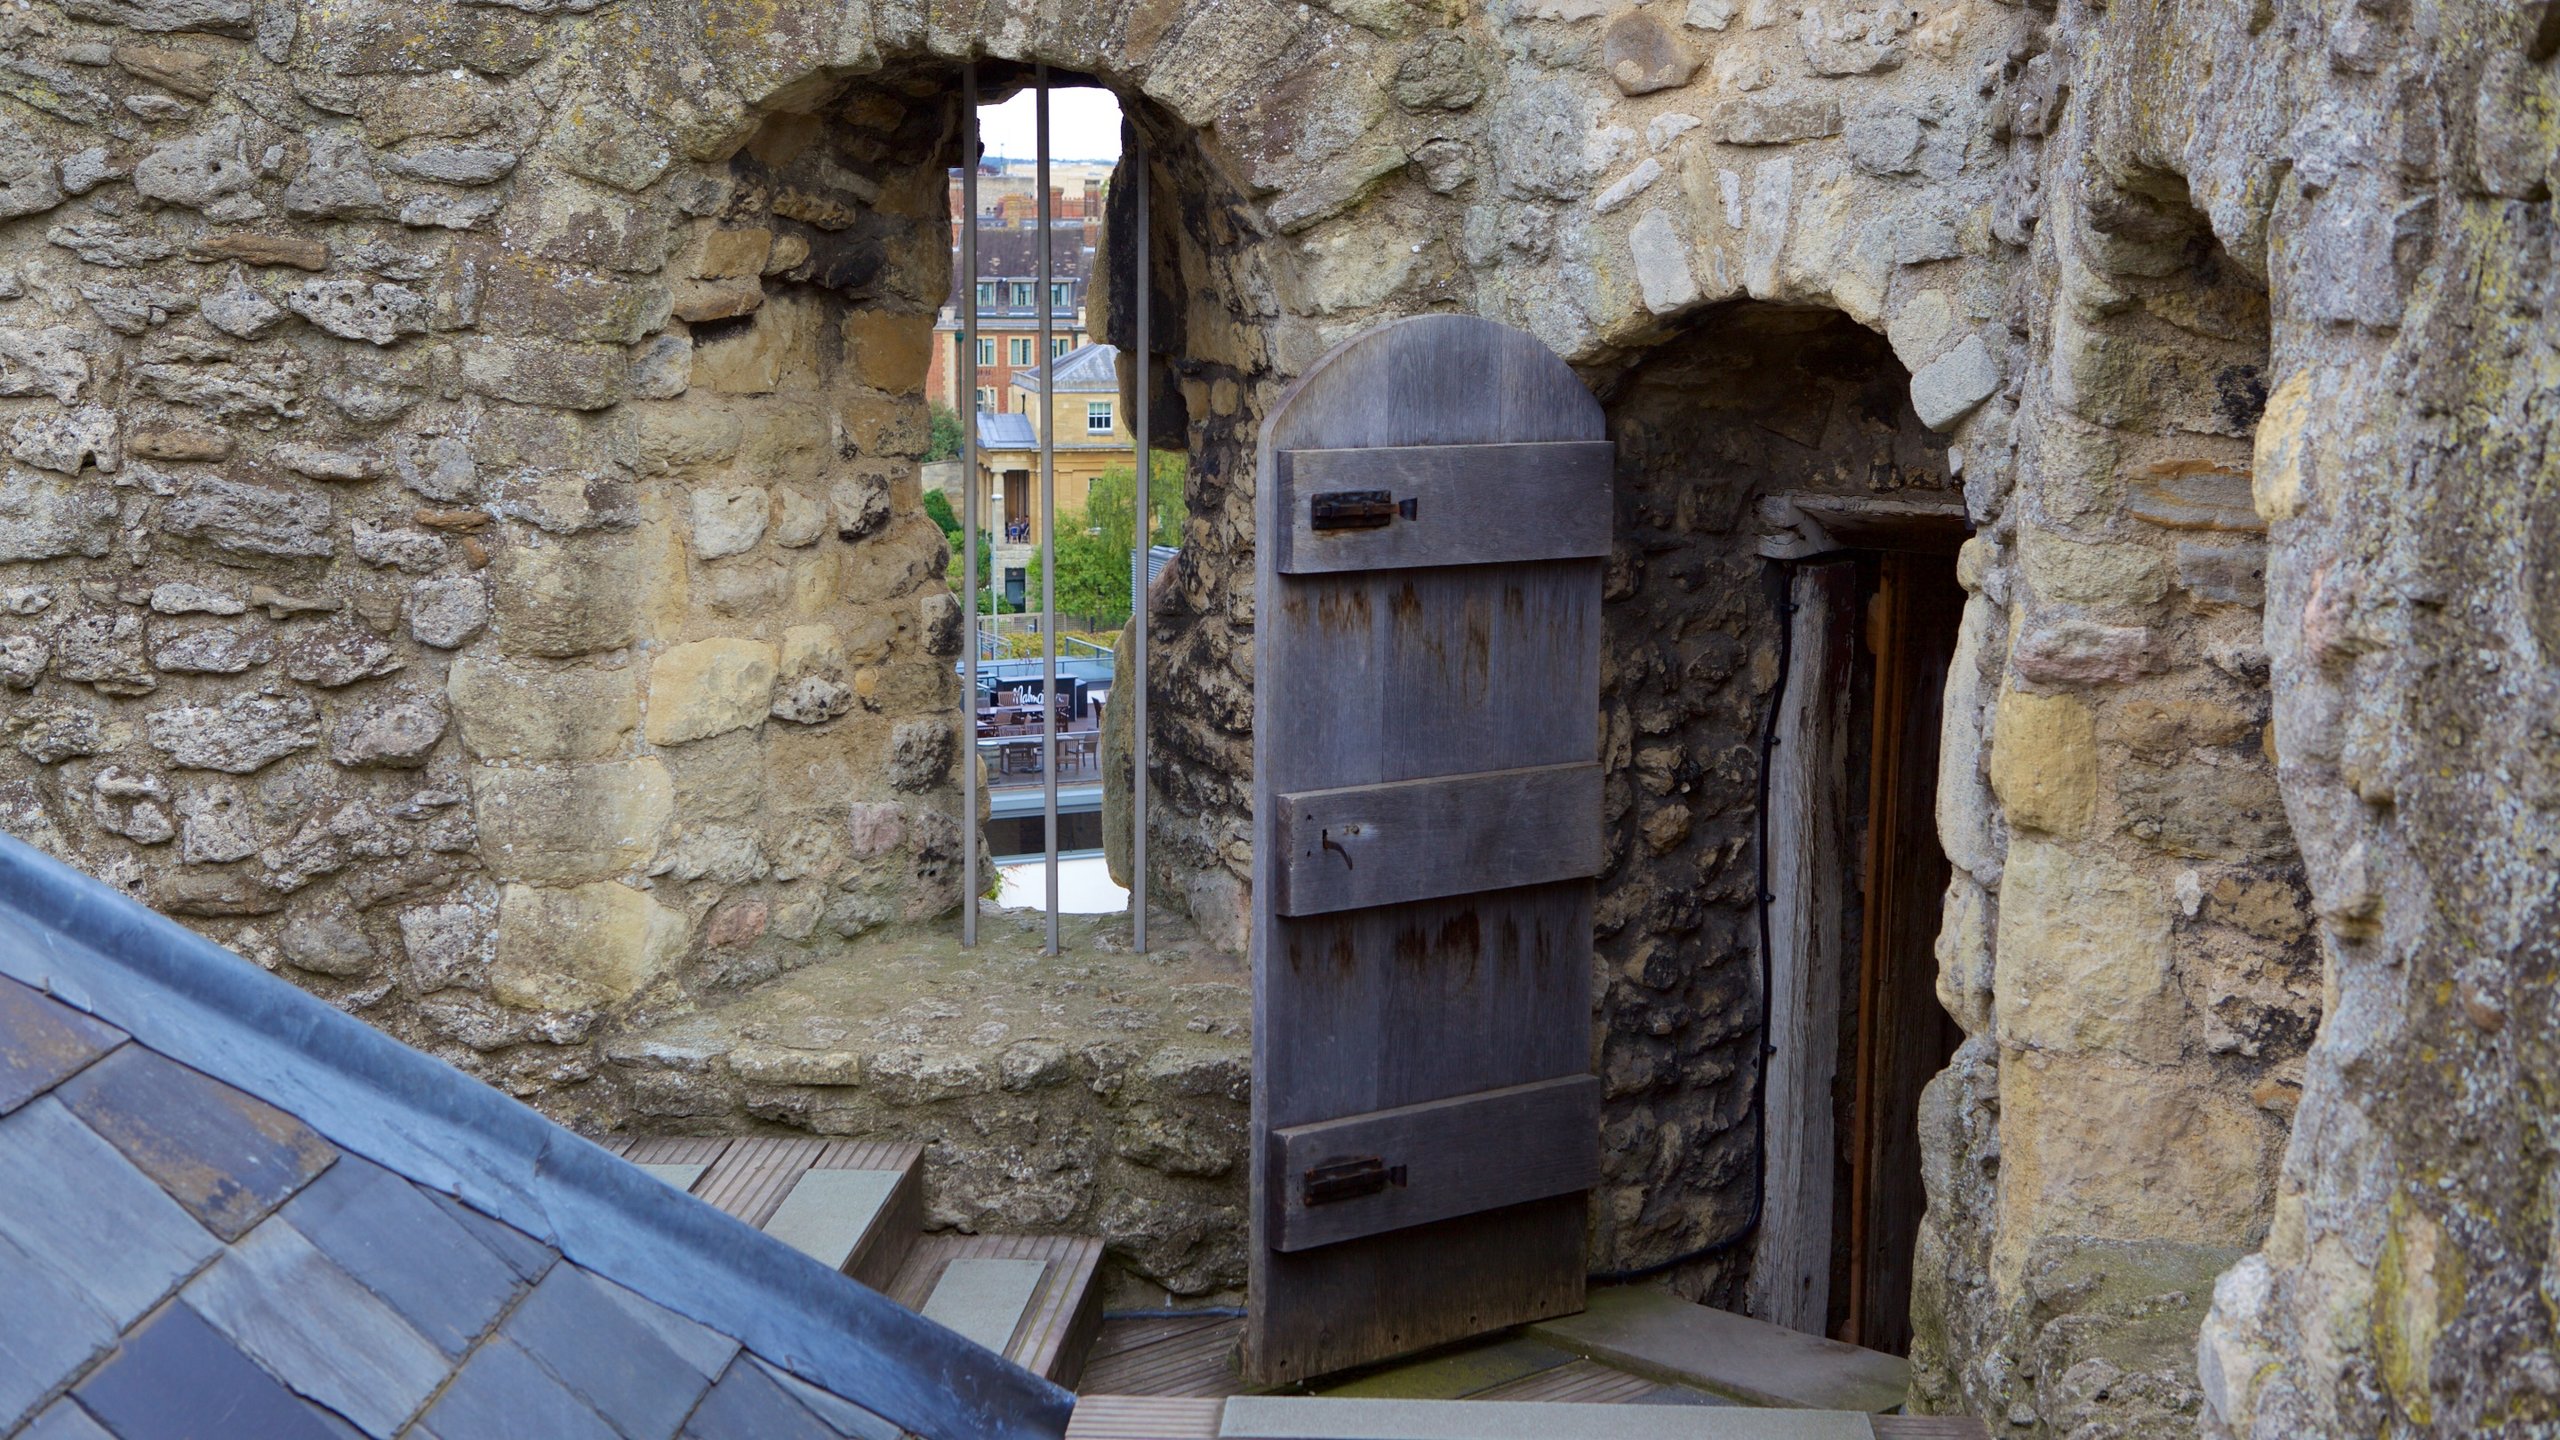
(1358,509)
(1349,1178)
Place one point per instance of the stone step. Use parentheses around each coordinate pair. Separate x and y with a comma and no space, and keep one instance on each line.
(1300,1417)
(1290,1417)
(1654,1332)
(1035,1298)
(852,1205)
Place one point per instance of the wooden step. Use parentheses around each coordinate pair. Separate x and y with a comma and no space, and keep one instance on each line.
(1145,1417)
(1653,1332)
(1036,1298)
(852,1205)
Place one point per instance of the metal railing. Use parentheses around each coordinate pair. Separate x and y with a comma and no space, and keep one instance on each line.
(979,661)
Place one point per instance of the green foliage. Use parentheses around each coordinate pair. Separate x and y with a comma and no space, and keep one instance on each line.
(986,558)
(938,506)
(1094,544)
(944,443)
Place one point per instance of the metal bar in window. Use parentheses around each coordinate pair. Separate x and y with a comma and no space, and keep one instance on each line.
(1137,684)
(1048,524)
(968,288)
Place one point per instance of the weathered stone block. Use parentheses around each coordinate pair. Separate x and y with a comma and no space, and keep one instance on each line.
(567,597)
(250,517)
(512,711)
(2082,959)
(707,688)
(48,517)
(396,732)
(2044,761)
(2226,811)
(1950,387)
(889,350)
(2076,572)
(237,736)
(577,948)
(571,824)
(573,377)
(728,519)
(447,613)
(1774,119)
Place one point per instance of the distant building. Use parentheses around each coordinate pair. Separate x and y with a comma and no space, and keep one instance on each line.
(1008,280)
(1092,435)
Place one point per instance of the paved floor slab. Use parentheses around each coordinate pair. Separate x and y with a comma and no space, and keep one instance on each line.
(1296,1417)
(1654,1332)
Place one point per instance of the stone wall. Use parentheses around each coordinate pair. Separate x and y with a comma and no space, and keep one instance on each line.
(462,546)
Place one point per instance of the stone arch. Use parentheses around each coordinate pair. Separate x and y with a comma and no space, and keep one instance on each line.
(1739,408)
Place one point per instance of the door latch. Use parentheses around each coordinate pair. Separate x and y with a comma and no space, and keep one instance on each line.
(1350,1178)
(1358,509)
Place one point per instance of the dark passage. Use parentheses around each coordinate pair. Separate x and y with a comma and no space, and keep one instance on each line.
(1895,1034)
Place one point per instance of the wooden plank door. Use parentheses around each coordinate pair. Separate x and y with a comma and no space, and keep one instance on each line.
(1434,515)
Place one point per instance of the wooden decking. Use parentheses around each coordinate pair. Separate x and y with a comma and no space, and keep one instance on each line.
(1636,1364)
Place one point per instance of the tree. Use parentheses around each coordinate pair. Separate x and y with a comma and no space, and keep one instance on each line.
(1094,543)
(945,433)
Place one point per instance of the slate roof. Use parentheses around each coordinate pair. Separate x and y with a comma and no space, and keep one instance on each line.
(229,1210)
(1005,430)
(1086,369)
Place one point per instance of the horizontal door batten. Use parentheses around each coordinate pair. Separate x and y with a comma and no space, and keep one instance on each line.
(1337,1180)
(1444,505)
(1363,845)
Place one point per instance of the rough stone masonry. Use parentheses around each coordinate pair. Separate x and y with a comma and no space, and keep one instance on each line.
(462,547)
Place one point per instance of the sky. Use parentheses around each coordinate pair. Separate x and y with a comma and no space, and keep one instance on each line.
(1084,124)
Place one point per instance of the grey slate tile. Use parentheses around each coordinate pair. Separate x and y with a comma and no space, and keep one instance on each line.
(69,1199)
(177,1379)
(313,1327)
(840,1415)
(64,1420)
(527,1256)
(748,1405)
(53,1331)
(605,1355)
(398,1244)
(42,1041)
(705,1349)
(226,1156)
(503,1395)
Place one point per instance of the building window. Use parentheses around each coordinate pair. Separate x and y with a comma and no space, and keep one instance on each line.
(1058,296)
(1022,351)
(986,350)
(1060,345)
(1097,417)
(987,398)
(1022,294)
(986,294)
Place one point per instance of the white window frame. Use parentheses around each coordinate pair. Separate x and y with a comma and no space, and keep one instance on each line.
(1097,417)
(1021,349)
(986,350)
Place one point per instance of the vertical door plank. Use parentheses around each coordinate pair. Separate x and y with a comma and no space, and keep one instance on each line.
(1808,812)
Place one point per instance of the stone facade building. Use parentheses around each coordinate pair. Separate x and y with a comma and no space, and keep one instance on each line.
(462,548)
